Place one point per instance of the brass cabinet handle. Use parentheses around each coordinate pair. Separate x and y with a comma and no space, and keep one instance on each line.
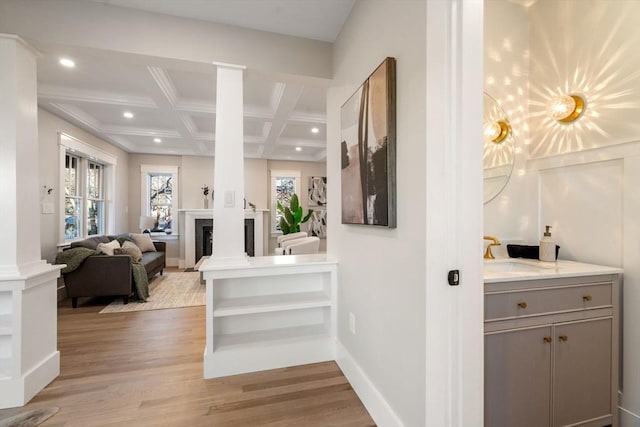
(563,338)
(586,298)
(547,339)
(522,304)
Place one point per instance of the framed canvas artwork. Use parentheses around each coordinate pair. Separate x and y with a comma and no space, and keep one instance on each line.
(368,127)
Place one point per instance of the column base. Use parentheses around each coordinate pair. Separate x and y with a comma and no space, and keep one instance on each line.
(15,392)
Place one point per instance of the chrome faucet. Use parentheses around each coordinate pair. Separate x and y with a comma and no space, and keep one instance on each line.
(494,242)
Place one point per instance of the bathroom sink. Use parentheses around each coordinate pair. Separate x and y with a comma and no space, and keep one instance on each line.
(509,266)
(517,266)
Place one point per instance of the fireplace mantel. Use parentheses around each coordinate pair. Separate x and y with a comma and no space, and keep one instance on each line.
(189,217)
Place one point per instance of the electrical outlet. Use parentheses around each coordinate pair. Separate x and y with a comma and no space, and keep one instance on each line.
(352,323)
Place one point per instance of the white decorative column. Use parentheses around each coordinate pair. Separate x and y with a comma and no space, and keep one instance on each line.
(29,359)
(228,206)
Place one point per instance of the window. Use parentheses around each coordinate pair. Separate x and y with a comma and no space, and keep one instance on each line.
(160,199)
(95,201)
(283,185)
(72,199)
(159,190)
(87,176)
(83,184)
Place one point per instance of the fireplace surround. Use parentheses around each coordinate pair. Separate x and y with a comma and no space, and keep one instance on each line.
(188,219)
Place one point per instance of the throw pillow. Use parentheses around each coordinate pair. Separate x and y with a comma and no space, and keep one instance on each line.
(124,238)
(144,242)
(129,248)
(107,248)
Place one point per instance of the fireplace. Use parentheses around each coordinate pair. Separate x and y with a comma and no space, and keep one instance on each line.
(188,217)
(204,237)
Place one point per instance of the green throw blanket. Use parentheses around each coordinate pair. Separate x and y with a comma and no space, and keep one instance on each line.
(74,257)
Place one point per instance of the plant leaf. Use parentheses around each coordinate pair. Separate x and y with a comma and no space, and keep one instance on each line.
(279,206)
(295,203)
(284,226)
(297,215)
(288,216)
(306,218)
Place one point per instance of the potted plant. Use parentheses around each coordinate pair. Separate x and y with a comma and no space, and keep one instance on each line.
(292,216)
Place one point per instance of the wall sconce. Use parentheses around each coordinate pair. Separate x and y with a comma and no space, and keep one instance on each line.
(497,131)
(566,108)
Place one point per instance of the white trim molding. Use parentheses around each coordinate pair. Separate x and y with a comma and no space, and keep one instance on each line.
(379,409)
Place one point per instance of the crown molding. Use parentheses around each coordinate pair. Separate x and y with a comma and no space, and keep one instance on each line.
(60,93)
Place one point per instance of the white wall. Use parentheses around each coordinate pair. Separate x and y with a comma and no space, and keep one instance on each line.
(588,170)
(596,56)
(382,271)
(49,126)
(511,215)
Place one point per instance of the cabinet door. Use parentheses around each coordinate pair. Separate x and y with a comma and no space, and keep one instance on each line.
(582,376)
(518,378)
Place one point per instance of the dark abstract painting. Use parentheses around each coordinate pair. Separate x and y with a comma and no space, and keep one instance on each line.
(368,151)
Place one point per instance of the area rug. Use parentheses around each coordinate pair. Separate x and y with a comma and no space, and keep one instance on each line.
(171,290)
(29,418)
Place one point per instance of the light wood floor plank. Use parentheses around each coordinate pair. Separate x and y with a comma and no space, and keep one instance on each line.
(145,369)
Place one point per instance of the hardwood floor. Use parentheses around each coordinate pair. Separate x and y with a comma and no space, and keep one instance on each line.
(145,369)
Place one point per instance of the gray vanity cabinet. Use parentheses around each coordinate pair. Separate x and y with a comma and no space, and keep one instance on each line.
(517,373)
(551,352)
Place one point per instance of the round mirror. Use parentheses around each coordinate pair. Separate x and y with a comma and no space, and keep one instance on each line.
(499,149)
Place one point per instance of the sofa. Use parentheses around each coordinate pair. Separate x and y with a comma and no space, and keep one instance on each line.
(109,275)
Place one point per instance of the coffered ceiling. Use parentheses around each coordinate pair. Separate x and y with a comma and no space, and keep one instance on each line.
(173,102)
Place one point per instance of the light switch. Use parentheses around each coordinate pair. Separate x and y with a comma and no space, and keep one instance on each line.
(48,208)
(229,198)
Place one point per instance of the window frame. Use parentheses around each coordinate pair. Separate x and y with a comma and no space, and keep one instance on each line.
(86,154)
(146,171)
(275,174)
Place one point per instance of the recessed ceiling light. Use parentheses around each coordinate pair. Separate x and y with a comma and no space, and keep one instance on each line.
(127,115)
(298,148)
(315,130)
(66,62)
(157,140)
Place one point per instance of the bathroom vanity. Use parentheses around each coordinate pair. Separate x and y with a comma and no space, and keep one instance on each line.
(551,343)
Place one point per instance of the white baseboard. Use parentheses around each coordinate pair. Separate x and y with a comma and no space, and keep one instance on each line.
(628,418)
(172,262)
(373,400)
(15,392)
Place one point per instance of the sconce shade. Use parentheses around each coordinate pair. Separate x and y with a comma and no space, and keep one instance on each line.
(147,222)
(566,108)
(496,131)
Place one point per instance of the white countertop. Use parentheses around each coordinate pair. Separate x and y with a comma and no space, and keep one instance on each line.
(269,266)
(515,269)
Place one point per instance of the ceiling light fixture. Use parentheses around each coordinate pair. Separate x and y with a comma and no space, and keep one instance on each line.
(66,62)
(127,115)
(496,131)
(298,148)
(315,130)
(157,140)
(566,108)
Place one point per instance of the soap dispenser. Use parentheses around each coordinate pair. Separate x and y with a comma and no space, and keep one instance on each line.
(547,246)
